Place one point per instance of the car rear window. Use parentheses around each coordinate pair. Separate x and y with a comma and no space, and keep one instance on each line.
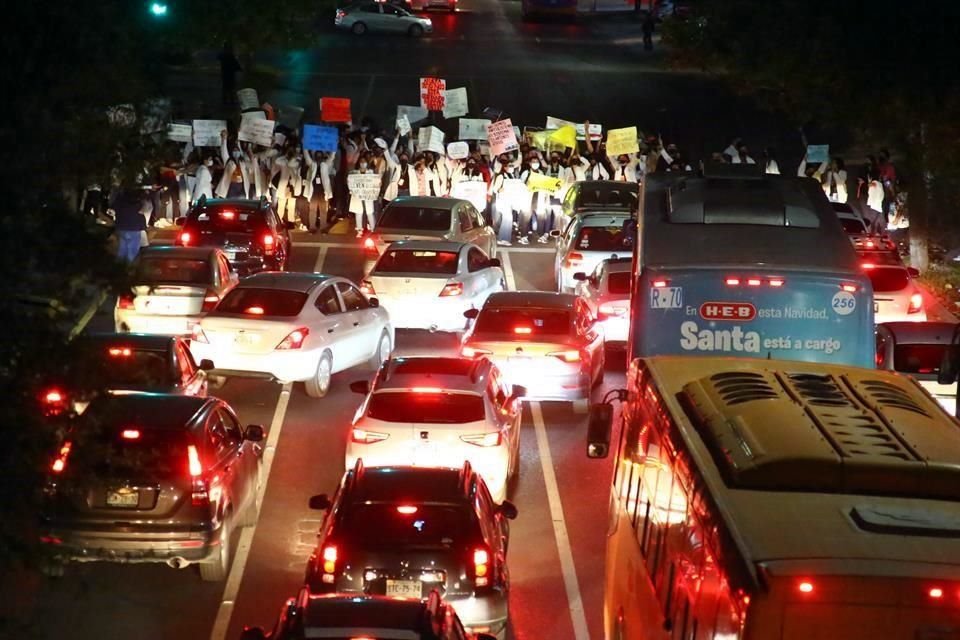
(603,239)
(428,219)
(619,283)
(229,220)
(620,198)
(127,368)
(128,450)
(409,261)
(157,269)
(381,525)
(263,302)
(426,407)
(524,323)
(851,225)
(888,280)
(918,358)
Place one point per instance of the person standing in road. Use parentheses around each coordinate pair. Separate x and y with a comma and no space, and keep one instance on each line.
(229,67)
(130,222)
(649,25)
(203,185)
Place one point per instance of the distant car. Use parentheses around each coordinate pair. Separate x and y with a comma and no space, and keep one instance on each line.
(172,288)
(917,349)
(600,195)
(428,218)
(850,220)
(895,295)
(249,232)
(126,363)
(152,478)
(424,5)
(405,531)
(589,239)
(429,284)
(547,342)
(351,616)
(431,411)
(293,327)
(370,15)
(607,292)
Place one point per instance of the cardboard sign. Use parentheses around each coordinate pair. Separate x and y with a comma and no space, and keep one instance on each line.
(179,132)
(540,182)
(414,114)
(206,133)
(403,125)
(596,132)
(430,139)
(455,103)
(253,115)
(320,138)
(290,116)
(335,110)
(515,193)
(365,186)
(473,129)
(433,93)
(622,141)
(458,150)
(248,99)
(556,123)
(818,153)
(279,139)
(474,192)
(257,131)
(565,136)
(502,137)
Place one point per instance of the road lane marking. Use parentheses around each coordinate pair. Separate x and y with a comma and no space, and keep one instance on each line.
(567,566)
(321,256)
(221,623)
(507,269)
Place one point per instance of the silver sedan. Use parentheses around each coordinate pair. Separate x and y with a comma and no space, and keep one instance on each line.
(370,15)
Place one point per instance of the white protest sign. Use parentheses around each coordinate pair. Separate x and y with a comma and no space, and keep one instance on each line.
(455,104)
(474,192)
(458,150)
(403,125)
(473,129)
(515,192)
(502,137)
(430,139)
(179,132)
(596,132)
(206,133)
(622,141)
(279,139)
(248,99)
(257,131)
(414,114)
(365,186)
(558,123)
(253,115)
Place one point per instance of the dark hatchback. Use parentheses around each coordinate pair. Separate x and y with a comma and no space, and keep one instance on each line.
(249,232)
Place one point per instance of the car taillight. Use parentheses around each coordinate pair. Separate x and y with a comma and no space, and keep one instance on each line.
(130,434)
(573,259)
(60,462)
(659,284)
(120,352)
(210,300)
(451,289)
(54,402)
(200,494)
(362,436)
(269,243)
(125,301)
(369,244)
(566,356)
(184,238)
(484,439)
(736,281)
(294,340)
(916,303)
(473,352)
(366,288)
(805,586)
(197,334)
(523,331)
(53,396)
(329,558)
(610,309)
(481,567)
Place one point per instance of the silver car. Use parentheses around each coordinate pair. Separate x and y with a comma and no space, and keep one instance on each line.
(370,15)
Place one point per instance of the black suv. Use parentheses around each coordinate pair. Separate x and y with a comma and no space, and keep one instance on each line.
(405,531)
(248,231)
(151,478)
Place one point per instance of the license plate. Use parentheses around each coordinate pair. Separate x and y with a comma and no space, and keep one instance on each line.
(123,498)
(404,588)
(231,255)
(666,297)
(246,339)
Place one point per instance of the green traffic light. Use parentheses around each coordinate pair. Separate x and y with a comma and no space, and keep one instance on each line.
(158,9)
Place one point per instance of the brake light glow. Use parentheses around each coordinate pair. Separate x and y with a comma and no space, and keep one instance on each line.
(53,396)
(524,331)
(366,288)
(184,238)
(492,439)
(473,352)
(935,593)
(566,356)
(608,309)
(369,244)
(197,334)
(732,282)
(200,495)
(254,311)
(294,340)
(329,556)
(210,300)
(130,434)
(120,352)
(125,301)
(481,567)
(868,265)
(407,509)
(805,587)
(451,289)
(60,462)
(269,242)
(228,215)
(427,390)
(849,288)
(916,303)
(362,436)
(753,282)
(776,282)
(660,283)
(573,259)
(193,460)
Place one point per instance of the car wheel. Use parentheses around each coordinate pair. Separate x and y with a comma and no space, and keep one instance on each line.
(382,354)
(215,570)
(415,31)
(358,28)
(319,384)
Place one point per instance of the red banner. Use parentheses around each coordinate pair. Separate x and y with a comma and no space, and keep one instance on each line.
(335,110)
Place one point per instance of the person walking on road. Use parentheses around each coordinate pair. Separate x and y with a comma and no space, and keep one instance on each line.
(229,67)
(130,222)
(649,24)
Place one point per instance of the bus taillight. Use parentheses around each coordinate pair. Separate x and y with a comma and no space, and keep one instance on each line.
(849,288)
(660,283)
(805,586)
(935,593)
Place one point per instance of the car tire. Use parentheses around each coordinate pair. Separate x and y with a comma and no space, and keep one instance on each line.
(358,28)
(415,31)
(319,384)
(216,569)
(382,353)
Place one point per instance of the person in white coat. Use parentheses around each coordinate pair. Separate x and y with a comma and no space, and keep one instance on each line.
(624,167)
(363,207)
(203,185)
(422,180)
(504,202)
(834,181)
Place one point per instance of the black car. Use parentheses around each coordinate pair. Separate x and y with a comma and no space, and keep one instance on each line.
(405,531)
(125,362)
(349,616)
(249,232)
(151,478)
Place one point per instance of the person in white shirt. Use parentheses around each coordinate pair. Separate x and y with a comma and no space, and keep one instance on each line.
(874,209)
(624,167)
(742,156)
(421,179)
(503,201)
(834,181)
(362,207)
(770,165)
(203,186)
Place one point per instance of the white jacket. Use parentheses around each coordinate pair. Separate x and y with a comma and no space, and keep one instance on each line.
(203,185)
(840,179)
(429,178)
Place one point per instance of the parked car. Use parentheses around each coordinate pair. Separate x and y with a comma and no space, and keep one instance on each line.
(370,15)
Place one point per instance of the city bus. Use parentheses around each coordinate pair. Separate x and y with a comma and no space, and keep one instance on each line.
(736,262)
(779,500)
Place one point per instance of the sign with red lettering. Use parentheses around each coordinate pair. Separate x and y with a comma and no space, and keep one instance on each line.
(736,311)
(335,109)
(433,93)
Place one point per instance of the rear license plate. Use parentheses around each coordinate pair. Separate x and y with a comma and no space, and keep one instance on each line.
(666,297)
(246,339)
(123,498)
(404,588)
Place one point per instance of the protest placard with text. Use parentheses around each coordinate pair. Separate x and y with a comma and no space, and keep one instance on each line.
(248,99)
(257,131)
(179,132)
(540,182)
(502,137)
(622,141)
(319,138)
(818,153)
(335,110)
(206,133)
(433,93)
(473,128)
(455,103)
(403,125)
(414,114)
(365,186)
(458,150)
(430,139)
(253,115)
(474,192)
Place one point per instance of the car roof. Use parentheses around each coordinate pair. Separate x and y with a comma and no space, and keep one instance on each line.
(447,373)
(537,299)
(362,612)
(145,410)
(170,251)
(922,332)
(428,202)
(284,280)
(408,484)
(428,245)
(136,340)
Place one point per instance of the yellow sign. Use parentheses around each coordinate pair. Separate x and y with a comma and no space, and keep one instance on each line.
(567,136)
(540,182)
(622,141)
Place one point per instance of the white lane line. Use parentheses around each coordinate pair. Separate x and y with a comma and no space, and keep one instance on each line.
(221,623)
(321,256)
(507,269)
(567,567)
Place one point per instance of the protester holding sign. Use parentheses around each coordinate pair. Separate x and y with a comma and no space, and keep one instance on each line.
(364,185)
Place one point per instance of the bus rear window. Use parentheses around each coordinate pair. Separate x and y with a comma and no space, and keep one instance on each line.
(603,239)
(396,261)
(888,280)
(619,283)
(918,358)
(263,302)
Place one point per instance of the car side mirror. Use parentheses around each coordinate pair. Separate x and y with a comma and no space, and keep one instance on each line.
(580,276)
(180,221)
(471,314)
(914,272)
(360,386)
(494,262)
(253,633)
(555,233)
(508,510)
(598,430)
(948,367)
(374,302)
(320,502)
(518,391)
(206,365)
(253,433)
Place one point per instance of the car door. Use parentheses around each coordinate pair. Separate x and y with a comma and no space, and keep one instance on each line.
(332,325)
(222,453)
(508,410)
(370,14)
(496,531)
(482,278)
(247,475)
(486,237)
(591,334)
(563,246)
(464,224)
(358,314)
(192,380)
(589,289)
(228,278)
(394,19)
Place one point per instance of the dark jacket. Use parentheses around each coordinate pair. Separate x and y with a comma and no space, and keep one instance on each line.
(127,206)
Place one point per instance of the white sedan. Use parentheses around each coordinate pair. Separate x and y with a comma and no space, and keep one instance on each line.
(428,284)
(294,327)
(607,292)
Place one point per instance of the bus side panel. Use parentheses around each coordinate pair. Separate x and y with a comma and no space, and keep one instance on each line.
(808,316)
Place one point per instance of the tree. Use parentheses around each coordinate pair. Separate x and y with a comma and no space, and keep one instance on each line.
(885,69)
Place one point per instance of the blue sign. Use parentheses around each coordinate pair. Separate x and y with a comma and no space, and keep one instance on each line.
(319,138)
(818,153)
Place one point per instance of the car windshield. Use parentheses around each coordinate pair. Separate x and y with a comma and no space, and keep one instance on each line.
(918,358)
(403,526)
(408,261)
(229,220)
(161,269)
(603,239)
(619,283)
(403,217)
(852,225)
(524,323)
(263,302)
(888,280)
(426,407)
